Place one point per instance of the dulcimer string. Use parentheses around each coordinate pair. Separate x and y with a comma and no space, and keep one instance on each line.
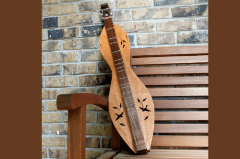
(133,118)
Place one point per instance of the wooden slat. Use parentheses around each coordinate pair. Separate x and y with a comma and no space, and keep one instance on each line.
(181,128)
(178,92)
(154,81)
(175,70)
(181,115)
(179,104)
(165,153)
(189,141)
(109,154)
(170,60)
(160,51)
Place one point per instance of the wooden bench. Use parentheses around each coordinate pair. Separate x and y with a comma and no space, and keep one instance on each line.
(177,79)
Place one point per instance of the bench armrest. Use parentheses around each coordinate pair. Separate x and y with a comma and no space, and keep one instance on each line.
(76,106)
(74,101)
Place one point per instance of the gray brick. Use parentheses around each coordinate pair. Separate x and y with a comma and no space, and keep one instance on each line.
(76,44)
(193,37)
(51,22)
(48,46)
(93,154)
(63,33)
(50,1)
(57,153)
(51,70)
(176,25)
(106,142)
(103,91)
(44,153)
(151,13)
(94,55)
(77,90)
(50,93)
(104,117)
(91,117)
(190,11)
(103,68)
(202,23)
(95,80)
(200,1)
(121,15)
(73,20)
(132,39)
(99,130)
(91,30)
(132,27)
(58,129)
(92,142)
(133,3)
(60,9)
(171,2)
(155,39)
(76,69)
(61,57)
(93,6)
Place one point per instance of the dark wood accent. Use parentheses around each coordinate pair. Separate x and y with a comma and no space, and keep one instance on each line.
(74,101)
(76,133)
(76,106)
(115,139)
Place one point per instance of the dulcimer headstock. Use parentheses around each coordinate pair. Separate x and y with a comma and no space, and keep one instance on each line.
(105,10)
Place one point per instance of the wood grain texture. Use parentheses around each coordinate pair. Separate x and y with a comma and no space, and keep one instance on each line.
(74,101)
(161,81)
(76,133)
(165,154)
(109,154)
(170,60)
(138,89)
(160,51)
(178,92)
(181,115)
(177,70)
(173,140)
(179,104)
(181,128)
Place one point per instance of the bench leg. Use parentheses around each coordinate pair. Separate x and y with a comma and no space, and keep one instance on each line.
(76,133)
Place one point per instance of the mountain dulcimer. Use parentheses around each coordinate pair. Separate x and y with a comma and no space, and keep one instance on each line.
(130,104)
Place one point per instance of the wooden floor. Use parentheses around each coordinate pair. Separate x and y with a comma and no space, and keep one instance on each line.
(166,154)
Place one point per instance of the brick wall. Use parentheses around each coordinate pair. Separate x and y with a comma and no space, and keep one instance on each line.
(72,62)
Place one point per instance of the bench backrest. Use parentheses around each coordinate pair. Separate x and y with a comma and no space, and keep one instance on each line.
(177,79)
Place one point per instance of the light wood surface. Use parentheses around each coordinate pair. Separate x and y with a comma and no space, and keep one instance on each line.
(171,70)
(181,128)
(174,140)
(170,60)
(181,115)
(179,104)
(161,51)
(160,81)
(166,154)
(178,92)
(138,89)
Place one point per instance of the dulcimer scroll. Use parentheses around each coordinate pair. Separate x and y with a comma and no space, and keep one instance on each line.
(130,104)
